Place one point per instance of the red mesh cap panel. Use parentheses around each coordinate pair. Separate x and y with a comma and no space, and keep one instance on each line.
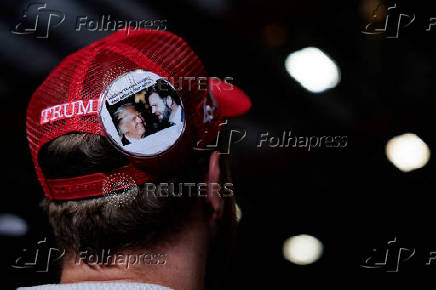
(67,101)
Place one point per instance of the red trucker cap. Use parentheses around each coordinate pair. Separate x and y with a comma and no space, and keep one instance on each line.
(146,91)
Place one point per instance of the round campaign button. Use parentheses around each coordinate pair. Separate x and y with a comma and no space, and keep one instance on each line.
(141,113)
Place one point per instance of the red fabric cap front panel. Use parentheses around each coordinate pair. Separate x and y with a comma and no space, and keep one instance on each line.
(66,101)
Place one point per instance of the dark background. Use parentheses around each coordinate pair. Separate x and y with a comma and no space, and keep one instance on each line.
(352,199)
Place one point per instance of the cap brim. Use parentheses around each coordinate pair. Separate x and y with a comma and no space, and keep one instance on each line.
(231,100)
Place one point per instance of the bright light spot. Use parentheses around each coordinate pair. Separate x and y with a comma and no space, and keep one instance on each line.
(238,213)
(302,249)
(407,152)
(313,69)
(12,225)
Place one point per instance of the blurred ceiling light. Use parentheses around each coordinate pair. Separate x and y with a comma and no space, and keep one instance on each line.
(238,213)
(407,152)
(313,69)
(12,225)
(302,249)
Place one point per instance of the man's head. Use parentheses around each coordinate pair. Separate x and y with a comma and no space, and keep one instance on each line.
(130,122)
(97,197)
(161,106)
(137,219)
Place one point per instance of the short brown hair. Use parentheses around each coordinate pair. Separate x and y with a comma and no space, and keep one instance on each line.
(95,224)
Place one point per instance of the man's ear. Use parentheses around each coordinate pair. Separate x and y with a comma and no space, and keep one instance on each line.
(214,198)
